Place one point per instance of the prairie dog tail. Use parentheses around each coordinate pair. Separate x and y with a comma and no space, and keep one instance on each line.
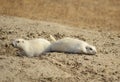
(52,38)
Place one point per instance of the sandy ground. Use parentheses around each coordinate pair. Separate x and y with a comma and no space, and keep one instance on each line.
(80,13)
(58,67)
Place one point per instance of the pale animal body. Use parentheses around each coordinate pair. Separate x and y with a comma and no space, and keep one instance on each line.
(72,45)
(33,47)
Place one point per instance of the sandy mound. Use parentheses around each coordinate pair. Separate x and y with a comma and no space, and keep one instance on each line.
(58,67)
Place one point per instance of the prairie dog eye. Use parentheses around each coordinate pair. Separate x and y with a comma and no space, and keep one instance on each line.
(18,41)
(90,48)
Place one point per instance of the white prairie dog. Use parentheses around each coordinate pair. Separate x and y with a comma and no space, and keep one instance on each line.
(33,47)
(72,45)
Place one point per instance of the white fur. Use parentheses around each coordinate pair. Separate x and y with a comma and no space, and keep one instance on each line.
(71,45)
(33,47)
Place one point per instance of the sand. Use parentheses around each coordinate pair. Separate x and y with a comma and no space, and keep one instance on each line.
(79,13)
(54,66)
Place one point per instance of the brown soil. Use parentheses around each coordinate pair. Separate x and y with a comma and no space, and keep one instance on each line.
(94,21)
(80,13)
(58,67)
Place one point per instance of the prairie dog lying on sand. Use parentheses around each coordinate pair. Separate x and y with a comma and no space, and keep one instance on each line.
(33,47)
(72,45)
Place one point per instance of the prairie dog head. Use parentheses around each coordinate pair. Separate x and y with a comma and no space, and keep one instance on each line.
(91,50)
(18,43)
